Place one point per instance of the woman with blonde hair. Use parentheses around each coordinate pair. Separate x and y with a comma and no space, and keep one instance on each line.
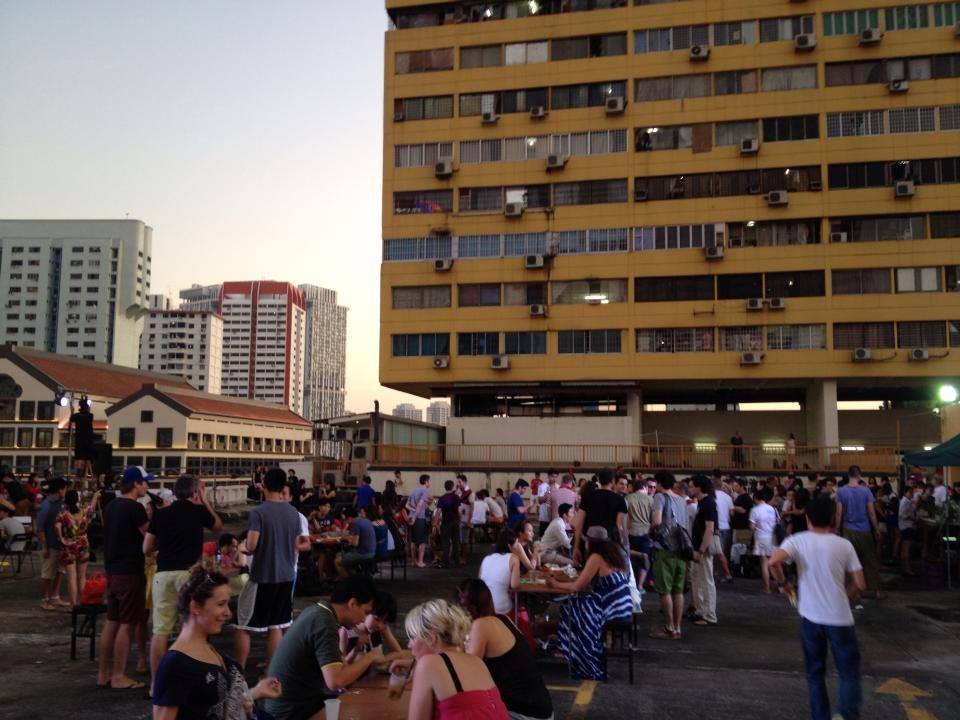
(447,682)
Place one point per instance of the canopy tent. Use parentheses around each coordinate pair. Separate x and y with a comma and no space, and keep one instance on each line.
(946,454)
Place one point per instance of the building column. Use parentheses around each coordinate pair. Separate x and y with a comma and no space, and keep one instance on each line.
(820,409)
(634,418)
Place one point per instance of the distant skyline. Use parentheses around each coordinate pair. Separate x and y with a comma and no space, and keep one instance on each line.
(247,135)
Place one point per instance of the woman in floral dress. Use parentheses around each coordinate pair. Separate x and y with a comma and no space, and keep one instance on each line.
(71,527)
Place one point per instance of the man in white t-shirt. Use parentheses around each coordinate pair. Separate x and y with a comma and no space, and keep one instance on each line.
(763,522)
(724,510)
(939,491)
(823,561)
(543,500)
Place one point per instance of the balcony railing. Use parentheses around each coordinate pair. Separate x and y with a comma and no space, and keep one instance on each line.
(745,458)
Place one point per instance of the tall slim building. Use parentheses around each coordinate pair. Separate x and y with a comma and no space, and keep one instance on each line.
(438,412)
(75,287)
(264,340)
(201,298)
(592,207)
(408,411)
(160,302)
(324,384)
(184,343)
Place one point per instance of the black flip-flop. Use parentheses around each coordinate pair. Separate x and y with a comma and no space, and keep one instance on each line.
(136,685)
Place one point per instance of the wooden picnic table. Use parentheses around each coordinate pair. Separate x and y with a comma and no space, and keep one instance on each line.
(367,700)
(534,583)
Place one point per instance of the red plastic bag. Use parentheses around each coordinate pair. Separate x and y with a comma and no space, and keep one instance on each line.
(94,589)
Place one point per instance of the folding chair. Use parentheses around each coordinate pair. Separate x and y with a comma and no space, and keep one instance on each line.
(13,553)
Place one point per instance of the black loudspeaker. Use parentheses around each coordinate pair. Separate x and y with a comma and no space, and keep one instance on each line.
(102,458)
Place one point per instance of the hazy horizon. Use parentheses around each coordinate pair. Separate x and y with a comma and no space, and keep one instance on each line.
(249,137)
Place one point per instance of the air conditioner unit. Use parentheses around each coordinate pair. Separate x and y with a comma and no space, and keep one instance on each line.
(343,434)
(500,362)
(489,117)
(441,362)
(713,253)
(556,162)
(904,188)
(838,237)
(534,262)
(815,185)
(513,209)
(751,358)
(778,197)
(444,168)
(640,195)
(615,105)
(699,52)
(750,146)
(804,41)
(919,354)
(538,112)
(754,304)
(898,86)
(753,189)
(538,310)
(399,116)
(862,355)
(443,264)
(870,36)
(777,304)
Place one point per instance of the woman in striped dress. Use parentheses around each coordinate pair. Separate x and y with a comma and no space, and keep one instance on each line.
(603,588)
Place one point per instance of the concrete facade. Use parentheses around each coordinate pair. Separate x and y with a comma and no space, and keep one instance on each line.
(325,366)
(189,344)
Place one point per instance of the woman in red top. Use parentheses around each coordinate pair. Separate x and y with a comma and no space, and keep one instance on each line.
(448,684)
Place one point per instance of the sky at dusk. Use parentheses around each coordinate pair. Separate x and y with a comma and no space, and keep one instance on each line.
(248,134)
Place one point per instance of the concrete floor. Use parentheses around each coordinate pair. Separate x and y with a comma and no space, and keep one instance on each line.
(750,666)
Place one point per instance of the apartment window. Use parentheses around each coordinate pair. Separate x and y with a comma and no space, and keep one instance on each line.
(481,56)
(506,101)
(950,117)
(670,88)
(735,82)
(740,285)
(672,137)
(911,120)
(474,199)
(526,148)
(773,29)
(674,340)
(676,237)
(798,127)
(420,61)
(531,196)
(847,336)
(945,225)
(946,14)
(164,437)
(45,410)
(421,154)
(874,281)
(25,437)
(850,22)
(478,343)
(590,192)
(590,46)
(516,244)
(880,227)
(581,342)
(737,182)
(741,339)
(421,296)
(481,151)
(654,40)
(478,295)
(591,292)
(596,142)
(525,343)
(803,283)
(416,344)
(796,337)
(855,123)
(772,234)
(921,279)
(672,289)
(881,174)
(733,133)
(128,437)
(925,334)
(906,17)
(735,33)
(146,416)
(526,53)
(789,78)
(424,108)
(587,95)
(529,293)
(416,202)
(44,437)
(28,410)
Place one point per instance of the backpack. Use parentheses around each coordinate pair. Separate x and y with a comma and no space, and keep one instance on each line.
(674,539)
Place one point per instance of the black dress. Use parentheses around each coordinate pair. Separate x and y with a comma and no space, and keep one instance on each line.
(83,437)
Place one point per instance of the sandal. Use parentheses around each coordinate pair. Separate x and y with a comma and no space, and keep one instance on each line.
(135,685)
(48,606)
(664,634)
(700,622)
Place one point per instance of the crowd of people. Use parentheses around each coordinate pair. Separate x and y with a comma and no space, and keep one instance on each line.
(598,544)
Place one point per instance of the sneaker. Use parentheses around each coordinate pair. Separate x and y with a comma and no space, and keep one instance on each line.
(858,607)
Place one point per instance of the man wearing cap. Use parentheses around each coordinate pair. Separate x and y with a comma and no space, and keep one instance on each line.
(176,534)
(124,525)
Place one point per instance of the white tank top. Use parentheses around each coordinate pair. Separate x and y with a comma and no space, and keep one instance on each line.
(495,572)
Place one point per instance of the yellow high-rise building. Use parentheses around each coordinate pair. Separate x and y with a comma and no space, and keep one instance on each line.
(592,207)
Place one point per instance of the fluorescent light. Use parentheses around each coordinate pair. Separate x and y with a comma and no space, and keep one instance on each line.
(596,297)
(852,448)
(751,223)
(704,447)
(928,448)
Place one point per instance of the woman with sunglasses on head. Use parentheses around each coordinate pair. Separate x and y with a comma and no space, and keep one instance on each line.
(194,681)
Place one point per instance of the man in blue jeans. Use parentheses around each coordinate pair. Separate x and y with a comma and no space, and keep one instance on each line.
(823,560)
